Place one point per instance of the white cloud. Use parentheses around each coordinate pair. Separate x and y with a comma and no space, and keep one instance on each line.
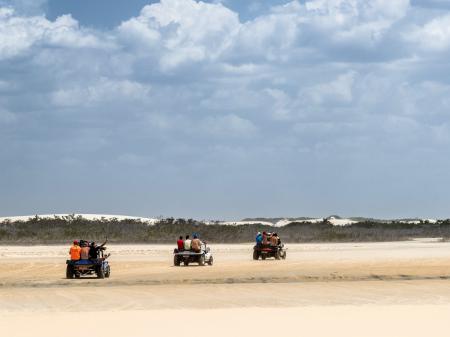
(434,35)
(331,92)
(186,81)
(228,126)
(18,33)
(186,31)
(104,90)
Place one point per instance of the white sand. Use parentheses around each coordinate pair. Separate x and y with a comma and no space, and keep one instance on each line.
(364,321)
(364,289)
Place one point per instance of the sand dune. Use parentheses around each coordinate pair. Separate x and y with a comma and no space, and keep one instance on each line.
(150,221)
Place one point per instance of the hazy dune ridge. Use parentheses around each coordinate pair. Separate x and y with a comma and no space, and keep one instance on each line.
(61,228)
(275,222)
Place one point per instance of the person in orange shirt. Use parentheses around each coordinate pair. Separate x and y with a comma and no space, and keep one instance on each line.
(75,251)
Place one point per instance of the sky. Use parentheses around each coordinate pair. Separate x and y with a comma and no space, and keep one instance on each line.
(225,109)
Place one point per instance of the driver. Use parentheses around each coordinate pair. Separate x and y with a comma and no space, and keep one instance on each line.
(274,240)
(196,244)
(94,249)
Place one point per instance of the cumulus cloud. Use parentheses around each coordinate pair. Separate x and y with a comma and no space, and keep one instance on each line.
(186,31)
(434,35)
(18,33)
(186,88)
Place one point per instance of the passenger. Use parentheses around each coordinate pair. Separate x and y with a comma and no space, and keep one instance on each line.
(187,243)
(94,249)
(84,253)
(75,251)
(274,240)
(180,244)
(265,240)
(196,244)
(259,239)
(279,240)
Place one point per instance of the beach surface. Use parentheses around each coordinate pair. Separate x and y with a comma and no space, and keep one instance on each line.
(346,289)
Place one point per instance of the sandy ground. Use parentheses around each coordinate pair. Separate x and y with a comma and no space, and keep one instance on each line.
(362,289)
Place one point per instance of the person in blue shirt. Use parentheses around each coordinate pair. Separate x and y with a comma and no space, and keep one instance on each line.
(259,239)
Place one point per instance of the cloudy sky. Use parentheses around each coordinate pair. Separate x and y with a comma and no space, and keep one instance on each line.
(225,109)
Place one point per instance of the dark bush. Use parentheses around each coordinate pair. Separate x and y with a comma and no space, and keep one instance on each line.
(64,229)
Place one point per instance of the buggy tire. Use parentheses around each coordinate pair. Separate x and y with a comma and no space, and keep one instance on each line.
(69,272)
(211,261)
(277,255)
(284,255)
(100,272)
(108,272)
(201,261)
(263,256)
(186,263)
(255,255)
(176,261)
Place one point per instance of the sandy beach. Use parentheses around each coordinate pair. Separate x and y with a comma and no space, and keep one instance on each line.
(351,289)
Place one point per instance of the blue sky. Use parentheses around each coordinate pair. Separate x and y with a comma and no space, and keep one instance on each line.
(225,109)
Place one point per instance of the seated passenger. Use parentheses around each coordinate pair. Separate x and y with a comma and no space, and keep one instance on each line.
(259,239)
(196,244)
(75,251)
(265,239)
(274,240)
(84,253)
(180,244)
(187,243)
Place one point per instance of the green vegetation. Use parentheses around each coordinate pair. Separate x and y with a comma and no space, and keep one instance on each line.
(64,229)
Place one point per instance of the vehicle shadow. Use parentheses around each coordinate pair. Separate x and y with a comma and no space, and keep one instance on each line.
(190,266)
(83,278)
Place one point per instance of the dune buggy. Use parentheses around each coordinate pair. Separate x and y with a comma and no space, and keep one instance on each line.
(189,256)
(99,267)
(267,251)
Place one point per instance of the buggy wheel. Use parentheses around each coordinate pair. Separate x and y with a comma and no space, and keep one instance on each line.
(284,255)
(100,272)
(108,272)
(176,261)
(263,256)
(69,271)
(277,255)
(211,261)
(201,261)
(186,263)
(255,255)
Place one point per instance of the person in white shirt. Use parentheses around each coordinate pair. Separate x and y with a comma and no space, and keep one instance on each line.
(187,243)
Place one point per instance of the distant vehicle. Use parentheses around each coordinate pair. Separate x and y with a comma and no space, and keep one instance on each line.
(99,266)
(188,256)
(267,251)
